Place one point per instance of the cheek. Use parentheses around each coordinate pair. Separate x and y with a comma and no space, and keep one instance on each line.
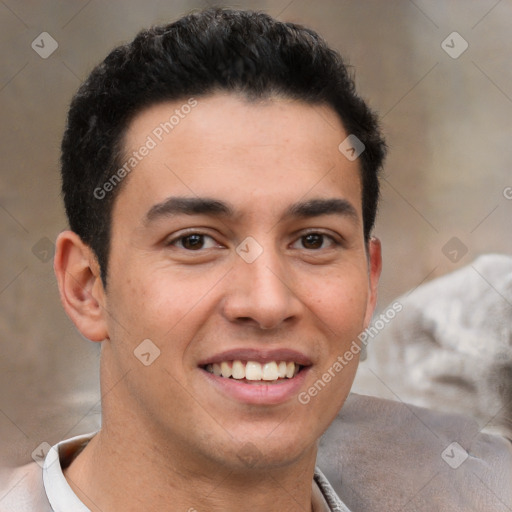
(340,303)
(162,305)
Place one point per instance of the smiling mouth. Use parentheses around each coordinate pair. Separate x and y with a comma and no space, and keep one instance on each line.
(254,372)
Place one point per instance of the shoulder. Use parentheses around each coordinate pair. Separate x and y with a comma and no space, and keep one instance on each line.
(22,490)
(380,455)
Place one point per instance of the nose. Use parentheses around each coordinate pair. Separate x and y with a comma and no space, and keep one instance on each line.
(261,294)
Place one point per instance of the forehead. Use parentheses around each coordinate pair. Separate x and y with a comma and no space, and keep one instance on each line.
(225,146)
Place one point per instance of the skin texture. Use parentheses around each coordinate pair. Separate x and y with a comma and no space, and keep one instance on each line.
(170,439)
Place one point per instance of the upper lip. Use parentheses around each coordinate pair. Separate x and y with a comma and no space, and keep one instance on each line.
(258,355)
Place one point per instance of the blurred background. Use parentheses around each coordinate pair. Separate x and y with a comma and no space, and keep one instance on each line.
(438,73)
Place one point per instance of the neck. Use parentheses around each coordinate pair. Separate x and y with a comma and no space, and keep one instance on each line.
(120,472)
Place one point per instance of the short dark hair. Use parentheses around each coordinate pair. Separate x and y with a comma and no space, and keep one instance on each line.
(244,52)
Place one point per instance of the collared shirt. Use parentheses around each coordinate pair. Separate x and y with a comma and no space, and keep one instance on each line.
(62,498)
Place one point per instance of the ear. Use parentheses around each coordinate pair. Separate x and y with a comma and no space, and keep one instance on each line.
(80,286)
(374,270)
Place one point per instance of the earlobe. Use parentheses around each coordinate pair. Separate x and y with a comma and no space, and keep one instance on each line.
(374,271)
(81,290)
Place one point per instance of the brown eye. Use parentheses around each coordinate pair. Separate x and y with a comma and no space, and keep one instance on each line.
(312,241)
(192,242)
(315,241)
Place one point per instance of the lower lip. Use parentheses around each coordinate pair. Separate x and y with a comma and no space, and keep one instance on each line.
(258,394)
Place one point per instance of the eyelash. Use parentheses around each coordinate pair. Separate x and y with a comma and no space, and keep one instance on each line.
(334,242)
(175,241)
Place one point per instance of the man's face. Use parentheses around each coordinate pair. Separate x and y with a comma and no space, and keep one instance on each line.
(184,274)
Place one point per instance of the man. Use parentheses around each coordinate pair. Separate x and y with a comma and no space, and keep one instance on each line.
(220,177)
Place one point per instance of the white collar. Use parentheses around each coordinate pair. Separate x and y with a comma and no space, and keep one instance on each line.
(59,493)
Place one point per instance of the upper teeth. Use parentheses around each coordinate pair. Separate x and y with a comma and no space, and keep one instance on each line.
(252,370)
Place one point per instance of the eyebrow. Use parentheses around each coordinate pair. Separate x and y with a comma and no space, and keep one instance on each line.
(188,206)
(317,207)
(208,206)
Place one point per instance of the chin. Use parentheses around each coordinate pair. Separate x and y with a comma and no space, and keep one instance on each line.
(263,453)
